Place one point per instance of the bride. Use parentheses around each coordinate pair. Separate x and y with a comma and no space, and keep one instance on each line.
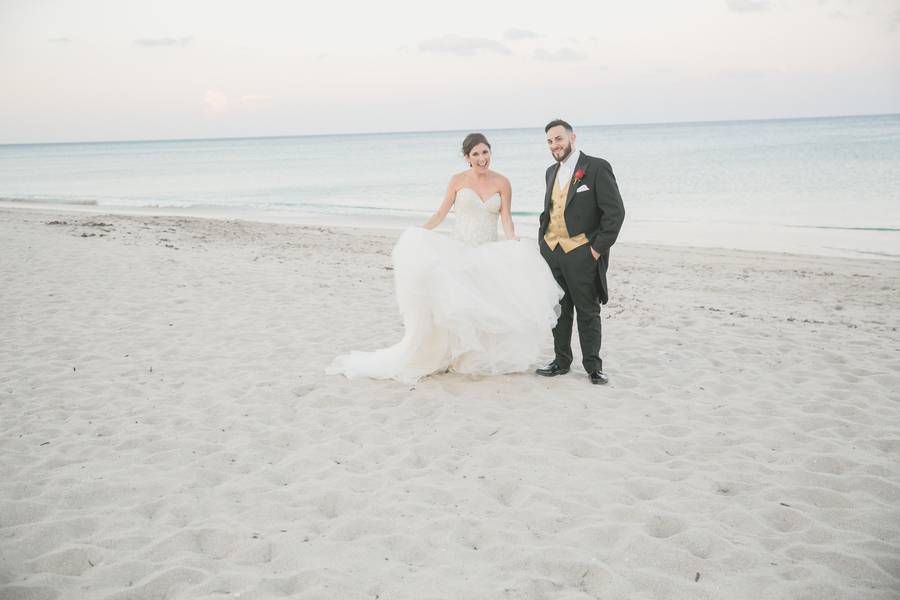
(470,303)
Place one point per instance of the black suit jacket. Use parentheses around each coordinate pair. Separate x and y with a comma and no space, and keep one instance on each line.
(597,212)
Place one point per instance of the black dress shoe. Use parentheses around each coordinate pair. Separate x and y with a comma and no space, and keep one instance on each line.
(552,370)
(598,377)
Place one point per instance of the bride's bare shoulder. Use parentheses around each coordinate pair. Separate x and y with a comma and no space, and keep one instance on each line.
(500,179)
(458,180)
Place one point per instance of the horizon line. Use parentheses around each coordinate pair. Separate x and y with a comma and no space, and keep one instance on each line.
(432,131)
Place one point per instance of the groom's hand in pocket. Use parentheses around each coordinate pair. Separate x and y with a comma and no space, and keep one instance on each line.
(595,254)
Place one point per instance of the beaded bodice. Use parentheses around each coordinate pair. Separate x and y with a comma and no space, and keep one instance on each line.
(476,220)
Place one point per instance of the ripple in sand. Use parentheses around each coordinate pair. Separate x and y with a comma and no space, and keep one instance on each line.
(71,561)
(19,592)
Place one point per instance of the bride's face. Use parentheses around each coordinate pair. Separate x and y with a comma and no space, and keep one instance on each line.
(480,157)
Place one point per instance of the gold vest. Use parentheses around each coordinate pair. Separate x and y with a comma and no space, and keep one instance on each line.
(557,232)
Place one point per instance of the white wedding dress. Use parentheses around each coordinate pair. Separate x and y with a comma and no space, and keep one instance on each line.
(470,304)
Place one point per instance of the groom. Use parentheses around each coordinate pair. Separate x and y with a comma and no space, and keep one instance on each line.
(583,213)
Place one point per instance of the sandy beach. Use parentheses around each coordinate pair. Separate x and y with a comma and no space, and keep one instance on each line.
(167,429)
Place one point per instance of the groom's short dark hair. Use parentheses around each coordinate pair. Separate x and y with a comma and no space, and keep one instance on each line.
(557,123)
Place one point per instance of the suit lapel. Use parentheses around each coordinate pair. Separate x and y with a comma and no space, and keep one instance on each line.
(581,164)
(549,193)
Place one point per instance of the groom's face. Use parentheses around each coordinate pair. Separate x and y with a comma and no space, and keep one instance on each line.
(561,142)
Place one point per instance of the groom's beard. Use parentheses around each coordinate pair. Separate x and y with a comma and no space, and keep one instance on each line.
(566,152)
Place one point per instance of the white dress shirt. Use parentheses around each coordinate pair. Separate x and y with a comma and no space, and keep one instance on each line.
(567,168)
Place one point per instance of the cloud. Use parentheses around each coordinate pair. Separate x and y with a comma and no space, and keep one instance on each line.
(164,42)
(561,55)
(215,101)
(60,40)
(743,73)
(748,5)
(462,46)
(249,99)
(520,34)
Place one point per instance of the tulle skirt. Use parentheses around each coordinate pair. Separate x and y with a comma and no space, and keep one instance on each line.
(485,309)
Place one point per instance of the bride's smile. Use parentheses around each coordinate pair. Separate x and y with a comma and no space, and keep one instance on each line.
(480,157)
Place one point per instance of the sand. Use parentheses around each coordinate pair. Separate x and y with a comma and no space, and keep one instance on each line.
(167,429)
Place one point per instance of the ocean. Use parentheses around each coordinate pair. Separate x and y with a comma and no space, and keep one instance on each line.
(821,185)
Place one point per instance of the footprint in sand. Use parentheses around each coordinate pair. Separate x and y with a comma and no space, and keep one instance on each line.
(645,489)
(698,542)
(728,488)
(785,519)
(664,526)
(302,390)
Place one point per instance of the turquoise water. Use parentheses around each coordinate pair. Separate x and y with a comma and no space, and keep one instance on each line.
(829,173)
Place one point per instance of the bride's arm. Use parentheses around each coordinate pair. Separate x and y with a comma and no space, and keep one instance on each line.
(506,210)
(441,214)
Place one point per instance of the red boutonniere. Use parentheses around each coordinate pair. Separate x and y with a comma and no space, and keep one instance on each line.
(579,174)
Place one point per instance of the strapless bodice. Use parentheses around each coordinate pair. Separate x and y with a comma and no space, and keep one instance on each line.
(476,219)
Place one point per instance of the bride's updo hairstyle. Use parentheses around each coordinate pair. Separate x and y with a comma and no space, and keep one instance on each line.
(472,140)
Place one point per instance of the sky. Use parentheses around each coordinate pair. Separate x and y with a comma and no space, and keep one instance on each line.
(92,70)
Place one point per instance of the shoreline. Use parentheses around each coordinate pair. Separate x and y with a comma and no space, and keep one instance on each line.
(861,244)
